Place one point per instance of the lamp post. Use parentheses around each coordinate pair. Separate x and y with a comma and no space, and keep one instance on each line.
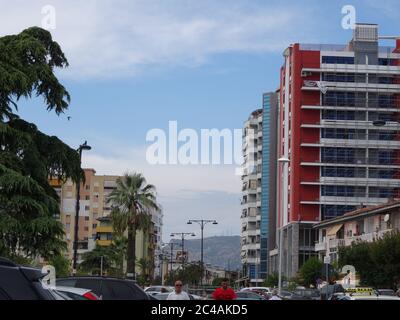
(202,223)
(183,235)
(82,147)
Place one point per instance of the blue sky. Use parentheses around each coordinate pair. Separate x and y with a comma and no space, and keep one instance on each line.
(135,65)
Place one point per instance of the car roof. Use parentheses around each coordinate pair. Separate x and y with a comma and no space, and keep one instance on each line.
(79,291)
(96,277)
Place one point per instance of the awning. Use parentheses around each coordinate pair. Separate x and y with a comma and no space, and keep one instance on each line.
(333,230)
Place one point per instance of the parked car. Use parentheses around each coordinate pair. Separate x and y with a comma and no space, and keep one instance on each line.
(386,292)
(77,293)
(106,288)
(248,295)
(311,294)
(164,296)
(288,295)
(264,289)
(23,283)
(158,289)
(261,293)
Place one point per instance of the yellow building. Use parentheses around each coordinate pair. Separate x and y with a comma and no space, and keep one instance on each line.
(94,222)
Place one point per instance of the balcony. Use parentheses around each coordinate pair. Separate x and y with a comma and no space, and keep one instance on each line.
(104,229)
(320,246)
(354,143)
(104,243)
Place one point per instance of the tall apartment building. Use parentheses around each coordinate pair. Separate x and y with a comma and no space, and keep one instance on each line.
(93,205)
(251,202)
(94,222)
(339,137)
(259,149)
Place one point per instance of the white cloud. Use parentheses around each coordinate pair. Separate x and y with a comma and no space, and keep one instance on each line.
(113,39)
(184,192)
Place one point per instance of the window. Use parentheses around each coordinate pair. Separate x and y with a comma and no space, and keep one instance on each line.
(87,208)
(86,228)
(337,60)
(345,172)
(343,191)
(87,197)
(94,225)
(345,134)
(87,187)
(332,211)
(86,218)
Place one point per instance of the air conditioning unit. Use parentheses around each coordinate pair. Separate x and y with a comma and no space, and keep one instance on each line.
(306,74)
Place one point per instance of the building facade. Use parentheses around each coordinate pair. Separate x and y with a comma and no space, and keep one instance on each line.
(251,199)
(259,150)
(94,223)
(338,137)
(366,224)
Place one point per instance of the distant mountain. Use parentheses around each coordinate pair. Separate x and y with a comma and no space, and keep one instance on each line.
(221,251)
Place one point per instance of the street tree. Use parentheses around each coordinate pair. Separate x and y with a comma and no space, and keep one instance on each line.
(133,201)
(28,157)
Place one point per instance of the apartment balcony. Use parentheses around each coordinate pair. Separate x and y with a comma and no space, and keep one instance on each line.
(251,232)
(334,244)
(354,143)
(104,243)
(349,108)
(339,200)
(104,229)
(318,163)
(320,246)
(354,181)
(351,124)
(355,68)
(355,86)
(367,237)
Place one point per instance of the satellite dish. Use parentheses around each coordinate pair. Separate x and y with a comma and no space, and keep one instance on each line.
(387,217)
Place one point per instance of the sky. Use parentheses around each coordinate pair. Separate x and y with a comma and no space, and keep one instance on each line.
(135,65)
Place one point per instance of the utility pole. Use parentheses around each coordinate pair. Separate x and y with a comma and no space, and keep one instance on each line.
(202,223)
(82,147)
(183,235)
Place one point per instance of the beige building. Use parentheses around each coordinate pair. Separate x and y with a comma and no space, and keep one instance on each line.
(94,223)
(93,205)
(364,224)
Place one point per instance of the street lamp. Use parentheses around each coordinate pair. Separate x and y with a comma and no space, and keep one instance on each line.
(183,235)
(285,161)
(82,147)
(202,223)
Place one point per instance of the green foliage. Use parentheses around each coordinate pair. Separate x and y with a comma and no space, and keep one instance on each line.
(377,263)
(272,280)
(133,202)
(189,275)
(311,271)
(28,157)
(61,264)
(217,282)
(27,62)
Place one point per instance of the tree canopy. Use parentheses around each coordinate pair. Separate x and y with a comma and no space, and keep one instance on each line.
(377,263)
(29,157)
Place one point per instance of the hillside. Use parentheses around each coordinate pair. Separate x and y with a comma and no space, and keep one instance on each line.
(221,251)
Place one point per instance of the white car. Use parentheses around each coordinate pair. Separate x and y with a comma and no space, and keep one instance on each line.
(263,289)
(77,293)
(158,289)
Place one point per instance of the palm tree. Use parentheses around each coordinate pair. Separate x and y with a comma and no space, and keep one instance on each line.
(133,202)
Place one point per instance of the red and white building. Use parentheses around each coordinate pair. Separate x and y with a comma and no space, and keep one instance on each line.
(339,137)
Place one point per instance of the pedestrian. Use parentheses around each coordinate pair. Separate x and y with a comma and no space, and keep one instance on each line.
(275,295)
(224,292)
(178,293)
